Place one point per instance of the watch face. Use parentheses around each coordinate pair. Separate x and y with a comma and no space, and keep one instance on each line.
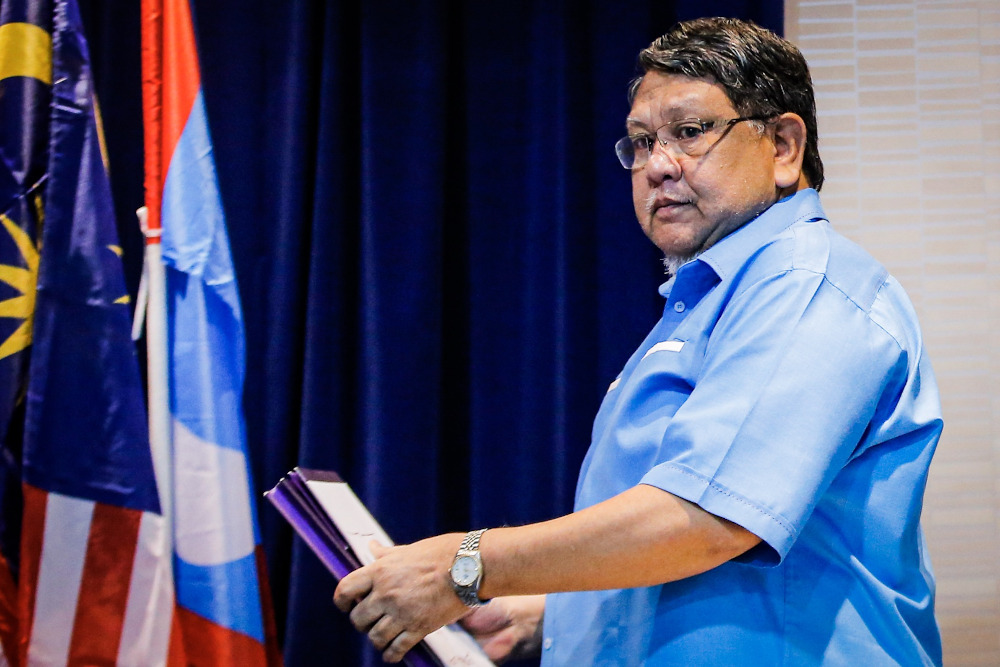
(465,570)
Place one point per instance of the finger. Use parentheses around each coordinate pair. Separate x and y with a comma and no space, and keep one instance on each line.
(352,589)
(377,549)
(399,647)
(364,616)
(383,632)
(497,647)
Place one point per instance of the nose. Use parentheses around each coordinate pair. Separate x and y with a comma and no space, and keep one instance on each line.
(663,163)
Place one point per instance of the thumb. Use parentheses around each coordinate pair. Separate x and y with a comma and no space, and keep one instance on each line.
(377,549)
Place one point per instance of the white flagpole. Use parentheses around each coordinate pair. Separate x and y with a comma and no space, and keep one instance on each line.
(160,441)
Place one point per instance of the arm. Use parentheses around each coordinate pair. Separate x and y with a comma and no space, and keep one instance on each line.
(641,537)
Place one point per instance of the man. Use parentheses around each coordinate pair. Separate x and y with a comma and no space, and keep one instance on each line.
(753,489)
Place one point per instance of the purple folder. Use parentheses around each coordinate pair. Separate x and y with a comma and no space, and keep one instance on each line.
(327,515)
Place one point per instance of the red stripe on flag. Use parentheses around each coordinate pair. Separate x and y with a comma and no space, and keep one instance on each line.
(104,586)
(171,80)
(267,610)
(181,76)
(207,643)
(31,556)
(8,612)
(175,654)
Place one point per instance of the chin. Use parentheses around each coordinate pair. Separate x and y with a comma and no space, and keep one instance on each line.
(673,238)
(677,248)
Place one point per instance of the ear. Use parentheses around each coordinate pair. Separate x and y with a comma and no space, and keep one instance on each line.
(789,149)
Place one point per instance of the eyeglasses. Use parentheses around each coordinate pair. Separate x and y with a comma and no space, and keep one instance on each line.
(689,135)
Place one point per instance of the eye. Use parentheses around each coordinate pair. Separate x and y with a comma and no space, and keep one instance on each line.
(688,130)
(642,143)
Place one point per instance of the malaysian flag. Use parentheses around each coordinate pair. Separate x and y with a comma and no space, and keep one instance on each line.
(93,580)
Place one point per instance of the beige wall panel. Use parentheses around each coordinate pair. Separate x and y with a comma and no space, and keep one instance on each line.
(886,187)
(906,170)
(964,33)
(906,79)
(943,61)
(885,22)
(836,142)
(826,11)
(842,172)
(832,43)
(962,14)
(843,124)
(878,205)
(882,64)
(958,95)
(908,96)
(821,28)
(882,11)
(888,97)
(885,44)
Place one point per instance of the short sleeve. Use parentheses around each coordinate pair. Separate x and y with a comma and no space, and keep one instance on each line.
(792,374)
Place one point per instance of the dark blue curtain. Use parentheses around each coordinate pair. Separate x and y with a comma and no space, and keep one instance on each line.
(438,261)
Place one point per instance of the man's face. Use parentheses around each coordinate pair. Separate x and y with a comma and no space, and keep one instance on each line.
(686,204)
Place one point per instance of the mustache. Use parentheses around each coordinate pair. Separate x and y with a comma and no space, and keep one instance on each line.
(650,201)
(659,197)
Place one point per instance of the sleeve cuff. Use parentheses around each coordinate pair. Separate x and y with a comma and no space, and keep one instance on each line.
(776,533)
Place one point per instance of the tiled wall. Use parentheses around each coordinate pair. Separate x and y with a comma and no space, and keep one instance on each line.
(909,122)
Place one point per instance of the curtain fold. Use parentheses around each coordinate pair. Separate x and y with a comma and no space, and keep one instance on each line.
(435,246)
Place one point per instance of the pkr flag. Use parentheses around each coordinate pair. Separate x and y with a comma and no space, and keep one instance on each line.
(223,603)
(85,577)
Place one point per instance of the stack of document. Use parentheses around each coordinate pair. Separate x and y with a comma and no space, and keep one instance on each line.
(336,525)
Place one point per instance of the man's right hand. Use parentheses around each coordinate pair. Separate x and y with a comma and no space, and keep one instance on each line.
(508,627)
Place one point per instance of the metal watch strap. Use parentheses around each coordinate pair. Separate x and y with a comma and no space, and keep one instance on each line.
(471,540)
(470,547)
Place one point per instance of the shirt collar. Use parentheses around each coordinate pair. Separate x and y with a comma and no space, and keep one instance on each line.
(729,254)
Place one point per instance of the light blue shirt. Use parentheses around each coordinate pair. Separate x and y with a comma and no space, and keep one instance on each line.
(786,388)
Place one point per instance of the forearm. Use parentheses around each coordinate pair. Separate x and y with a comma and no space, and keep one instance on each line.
(641,537)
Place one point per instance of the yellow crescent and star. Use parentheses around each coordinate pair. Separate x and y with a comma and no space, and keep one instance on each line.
(26,51)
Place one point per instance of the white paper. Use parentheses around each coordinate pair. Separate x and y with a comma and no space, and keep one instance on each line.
(451,644)
(351,517)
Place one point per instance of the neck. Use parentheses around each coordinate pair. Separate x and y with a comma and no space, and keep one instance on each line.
(801,184)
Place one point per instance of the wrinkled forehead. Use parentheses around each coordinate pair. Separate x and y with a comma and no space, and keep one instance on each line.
(661,98)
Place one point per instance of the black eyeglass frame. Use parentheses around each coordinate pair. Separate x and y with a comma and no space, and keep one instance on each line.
(626,144)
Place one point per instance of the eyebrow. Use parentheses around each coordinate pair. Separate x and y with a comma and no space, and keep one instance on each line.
(635,123)
(681,115)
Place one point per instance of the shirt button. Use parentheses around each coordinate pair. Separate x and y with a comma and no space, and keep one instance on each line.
(547,644)
(679,307)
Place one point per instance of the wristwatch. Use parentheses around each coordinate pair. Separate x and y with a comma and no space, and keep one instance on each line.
(467,570)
